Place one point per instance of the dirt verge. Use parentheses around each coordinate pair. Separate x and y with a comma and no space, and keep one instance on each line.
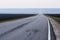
(56,28)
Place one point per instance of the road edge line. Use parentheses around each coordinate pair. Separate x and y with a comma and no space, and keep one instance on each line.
(49,35)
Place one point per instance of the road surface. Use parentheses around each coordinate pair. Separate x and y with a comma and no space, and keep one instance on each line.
(32,28)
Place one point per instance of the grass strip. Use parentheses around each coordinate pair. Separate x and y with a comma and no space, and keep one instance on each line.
(56,18)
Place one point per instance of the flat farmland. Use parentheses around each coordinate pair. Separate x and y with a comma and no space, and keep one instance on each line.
(4,17)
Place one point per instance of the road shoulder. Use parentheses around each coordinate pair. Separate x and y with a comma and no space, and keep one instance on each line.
(56,28)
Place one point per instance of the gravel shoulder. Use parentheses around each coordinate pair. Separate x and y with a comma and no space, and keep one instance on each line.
(56,28)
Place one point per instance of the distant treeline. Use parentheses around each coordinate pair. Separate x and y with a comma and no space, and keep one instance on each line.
(12,16)
(55,15)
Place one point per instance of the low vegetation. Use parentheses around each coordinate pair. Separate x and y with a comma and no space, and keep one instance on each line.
(57,19)
(54,16)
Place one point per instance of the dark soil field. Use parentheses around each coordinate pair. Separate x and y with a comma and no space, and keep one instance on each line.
(4,17)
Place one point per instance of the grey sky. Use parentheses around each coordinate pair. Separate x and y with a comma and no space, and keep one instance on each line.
(51,10)
(31,10)
(20,11)
(29,3)
(23,6)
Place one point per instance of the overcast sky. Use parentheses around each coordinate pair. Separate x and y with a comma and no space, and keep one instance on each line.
(18,11)
(29,3)
(50,10)
(23,6)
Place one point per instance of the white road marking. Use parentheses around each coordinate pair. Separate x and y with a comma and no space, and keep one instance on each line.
(49,35)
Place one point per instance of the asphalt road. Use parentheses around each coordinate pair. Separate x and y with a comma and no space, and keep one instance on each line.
(32,28)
